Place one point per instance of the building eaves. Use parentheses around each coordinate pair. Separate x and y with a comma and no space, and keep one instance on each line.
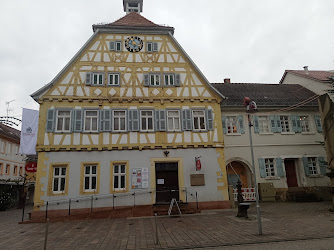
(316,75)
(10,133)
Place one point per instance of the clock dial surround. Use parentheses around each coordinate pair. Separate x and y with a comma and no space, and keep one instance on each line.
(134,44)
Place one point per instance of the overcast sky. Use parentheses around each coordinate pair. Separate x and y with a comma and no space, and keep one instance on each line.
(247,41)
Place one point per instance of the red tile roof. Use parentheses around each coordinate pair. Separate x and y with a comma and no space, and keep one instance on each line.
(10,133)
(317,75)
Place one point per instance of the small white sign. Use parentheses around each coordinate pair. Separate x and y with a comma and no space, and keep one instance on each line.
(161,181)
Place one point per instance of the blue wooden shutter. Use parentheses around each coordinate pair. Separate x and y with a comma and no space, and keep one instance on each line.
(294,123)
(209,119)
(278,124)
(135,120)
(146,80)
(130,120)
(105,120)
(241,124)
(279,167)
(155,47)
(77,120)
(322,165)
(157,120)
(272,123)
(88,78)
(186,119)
(306,167)
(262,168)
(256,124)
(112,45)
(318,123)
(224,124)
(163,123)
(177,80)
(50,120)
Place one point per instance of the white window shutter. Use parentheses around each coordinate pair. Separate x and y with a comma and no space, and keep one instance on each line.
(50,120)
(146,80)
(112,46)
(177,80)
(88,78)
(155,47)
(162,122)
(77,120)
(209,119)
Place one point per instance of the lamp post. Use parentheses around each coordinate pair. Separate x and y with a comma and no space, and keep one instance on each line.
(251,108)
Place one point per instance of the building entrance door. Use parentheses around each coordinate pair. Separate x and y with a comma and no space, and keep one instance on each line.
(167,181)
(290,170)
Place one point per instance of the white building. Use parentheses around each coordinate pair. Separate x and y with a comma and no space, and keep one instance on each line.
(286,135)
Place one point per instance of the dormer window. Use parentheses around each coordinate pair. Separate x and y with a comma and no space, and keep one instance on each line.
(132,7)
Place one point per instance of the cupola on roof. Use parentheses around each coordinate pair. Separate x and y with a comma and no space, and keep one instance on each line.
(133,6)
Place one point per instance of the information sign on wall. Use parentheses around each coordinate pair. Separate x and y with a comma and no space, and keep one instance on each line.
(139,178)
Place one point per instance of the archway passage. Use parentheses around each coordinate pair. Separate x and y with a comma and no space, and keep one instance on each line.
(237,170)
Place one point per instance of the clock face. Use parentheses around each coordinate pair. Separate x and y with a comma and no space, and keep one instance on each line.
(133,44)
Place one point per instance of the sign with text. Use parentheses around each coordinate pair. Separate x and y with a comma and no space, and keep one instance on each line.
(31,167)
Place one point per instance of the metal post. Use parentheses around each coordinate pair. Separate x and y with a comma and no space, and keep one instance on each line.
(134,199)
(113,202)
(156,229)
(258,212)
(69,207)
(46,211)
(196,201)
(91,205)
(24,196)
(46,233)
(186,195)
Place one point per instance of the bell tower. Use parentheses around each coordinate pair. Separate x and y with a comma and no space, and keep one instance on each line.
(133,6)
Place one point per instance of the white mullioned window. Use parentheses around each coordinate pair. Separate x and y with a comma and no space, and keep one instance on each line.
(154,79)
(113,79)
(91,121)
(119,177)
(7,169)
(59,179)
(232,124)
(8,148)
(118,46)
(146,120)
(305,124)
(169,79)
(264,124)
(270,166)
(312,165)
(198,120)
(173,120)
(63,121)
(97,78)
(90,178)
(285,123)
(119,120)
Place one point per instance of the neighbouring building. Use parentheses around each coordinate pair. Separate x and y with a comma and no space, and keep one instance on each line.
(11,165)
(287,136)
(129,121)
(321,82)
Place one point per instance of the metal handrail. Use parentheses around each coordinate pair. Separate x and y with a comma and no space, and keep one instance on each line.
(187,190)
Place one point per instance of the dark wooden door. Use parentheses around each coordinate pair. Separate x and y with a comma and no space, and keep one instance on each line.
(290,170)
(167,181)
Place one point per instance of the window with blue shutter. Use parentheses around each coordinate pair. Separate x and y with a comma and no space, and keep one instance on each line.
(306,167)
(209,119)
(112,46)
(299,126)
(278,124)
(262,168)
(155,47)
(88,78)
(186,119)
(224,124)
(50,120)
(322,165)
(273,124)
(279,167)
(241,124)
(77,121)
(294,123)
(177,80)
(162,122)
(256,124)
(157,120)
(133,120)
(318,123)
(105,120)
(146,80)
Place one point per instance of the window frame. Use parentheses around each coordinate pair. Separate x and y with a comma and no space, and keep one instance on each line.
(127,176)
(261,121)
(113,120)
(154,75)
(285,122)
(169,75)
(98,74)
(120,46)
(193,118)
(15,170)
(114,74)
(59,177)
(173,117)
(141,124)
(270,167)
(63,125)
(236,125)
(7,169)
(1,168)
(2,146)
(314,169)
(302,123)
(20,171)
(84,130)
(84,191)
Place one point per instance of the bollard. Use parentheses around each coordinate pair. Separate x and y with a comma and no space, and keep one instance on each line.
(69,207)
(46,211)
(91,204)
(46,233)
(156,229)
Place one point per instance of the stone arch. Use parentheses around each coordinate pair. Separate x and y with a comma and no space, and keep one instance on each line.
(240,167)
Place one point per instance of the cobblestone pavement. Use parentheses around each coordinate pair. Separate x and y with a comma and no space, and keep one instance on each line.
(217,229)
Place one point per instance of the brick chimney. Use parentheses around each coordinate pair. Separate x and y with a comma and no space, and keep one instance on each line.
(227,80)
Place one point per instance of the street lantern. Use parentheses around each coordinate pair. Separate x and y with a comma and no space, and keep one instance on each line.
(251,108)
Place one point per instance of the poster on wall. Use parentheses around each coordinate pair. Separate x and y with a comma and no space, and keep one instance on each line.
(139,178)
